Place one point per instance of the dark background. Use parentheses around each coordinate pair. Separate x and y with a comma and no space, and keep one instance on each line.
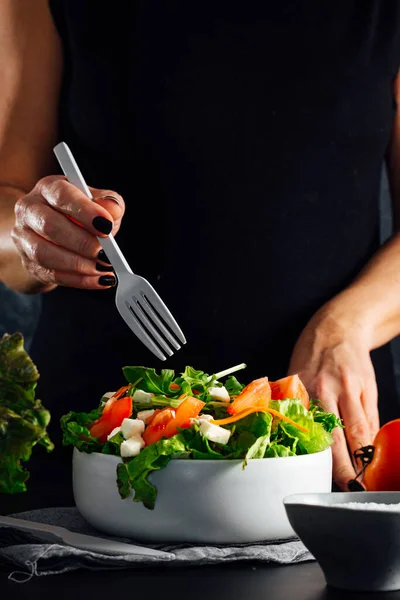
(20,312)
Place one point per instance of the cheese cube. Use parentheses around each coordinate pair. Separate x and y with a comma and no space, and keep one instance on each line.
(214,433)
(132,446)
(219,393)
(130,427)
(143,415)
(114,432)
(205,417)
(142,397)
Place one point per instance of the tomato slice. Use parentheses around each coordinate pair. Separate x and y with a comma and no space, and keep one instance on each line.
(150,419)
(168,421)
(188,409)
(156,430)
(383,473)
(255,395)
(119,410)
(118,394)
(290,387)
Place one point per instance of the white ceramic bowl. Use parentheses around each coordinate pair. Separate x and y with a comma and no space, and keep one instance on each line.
(206,501)
(357,549)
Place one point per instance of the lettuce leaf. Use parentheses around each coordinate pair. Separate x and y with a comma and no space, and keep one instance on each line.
(152,458)
(113,445)
(257,449)
(75,429)
(23,418)
(317,438)
(276,450)
(328,420)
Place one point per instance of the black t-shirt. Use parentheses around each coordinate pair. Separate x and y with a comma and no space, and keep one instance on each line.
(247,139)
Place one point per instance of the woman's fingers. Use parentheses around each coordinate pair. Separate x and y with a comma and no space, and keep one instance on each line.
(54,227)
(71,202)
(369,400)
(343,470)
(111,202)
(357,429)
(50,259)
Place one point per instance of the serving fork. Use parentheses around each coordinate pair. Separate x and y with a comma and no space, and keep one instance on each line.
(137,301)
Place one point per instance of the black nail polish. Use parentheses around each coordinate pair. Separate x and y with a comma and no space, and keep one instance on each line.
(355,486)
(103,256)
(103,268)
(103,225)
(107,280)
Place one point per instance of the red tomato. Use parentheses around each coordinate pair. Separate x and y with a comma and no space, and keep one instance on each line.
(118,394)
(188,409)
(117,412)
(156,430)
(168,421)
(150,419)
(256,394)
(290,387)
(383,473)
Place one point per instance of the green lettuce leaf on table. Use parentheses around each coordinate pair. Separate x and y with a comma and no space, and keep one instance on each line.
(23,419)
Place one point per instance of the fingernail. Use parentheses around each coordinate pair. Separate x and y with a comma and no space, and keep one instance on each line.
(103,225)
(103,268)
(103,256)
(355,486)
(107,280)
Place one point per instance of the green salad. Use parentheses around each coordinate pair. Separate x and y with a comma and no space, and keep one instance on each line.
(157,417)
(23,419)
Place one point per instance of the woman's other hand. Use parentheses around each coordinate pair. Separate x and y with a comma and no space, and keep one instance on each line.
(332,357)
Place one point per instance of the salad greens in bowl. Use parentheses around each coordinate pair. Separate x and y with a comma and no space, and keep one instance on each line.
(198,444)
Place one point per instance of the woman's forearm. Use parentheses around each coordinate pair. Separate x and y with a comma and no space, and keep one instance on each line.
(371,304)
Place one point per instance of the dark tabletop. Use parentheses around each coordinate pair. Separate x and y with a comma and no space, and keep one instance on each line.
(239,581)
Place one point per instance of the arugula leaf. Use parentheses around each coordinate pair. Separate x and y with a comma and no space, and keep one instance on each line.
(191,379)
(152,458)
(23,419)
(233,386)
(148,380)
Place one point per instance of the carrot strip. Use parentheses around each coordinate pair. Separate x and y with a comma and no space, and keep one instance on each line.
(252,410)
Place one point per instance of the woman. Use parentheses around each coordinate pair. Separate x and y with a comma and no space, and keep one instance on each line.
(247,143)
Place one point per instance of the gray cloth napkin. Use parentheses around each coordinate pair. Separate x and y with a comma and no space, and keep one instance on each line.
(30,556)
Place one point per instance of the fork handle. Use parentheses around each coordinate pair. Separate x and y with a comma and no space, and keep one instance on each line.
(75,177)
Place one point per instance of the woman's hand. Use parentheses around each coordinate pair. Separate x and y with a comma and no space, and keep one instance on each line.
(332,357)
(54,249)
